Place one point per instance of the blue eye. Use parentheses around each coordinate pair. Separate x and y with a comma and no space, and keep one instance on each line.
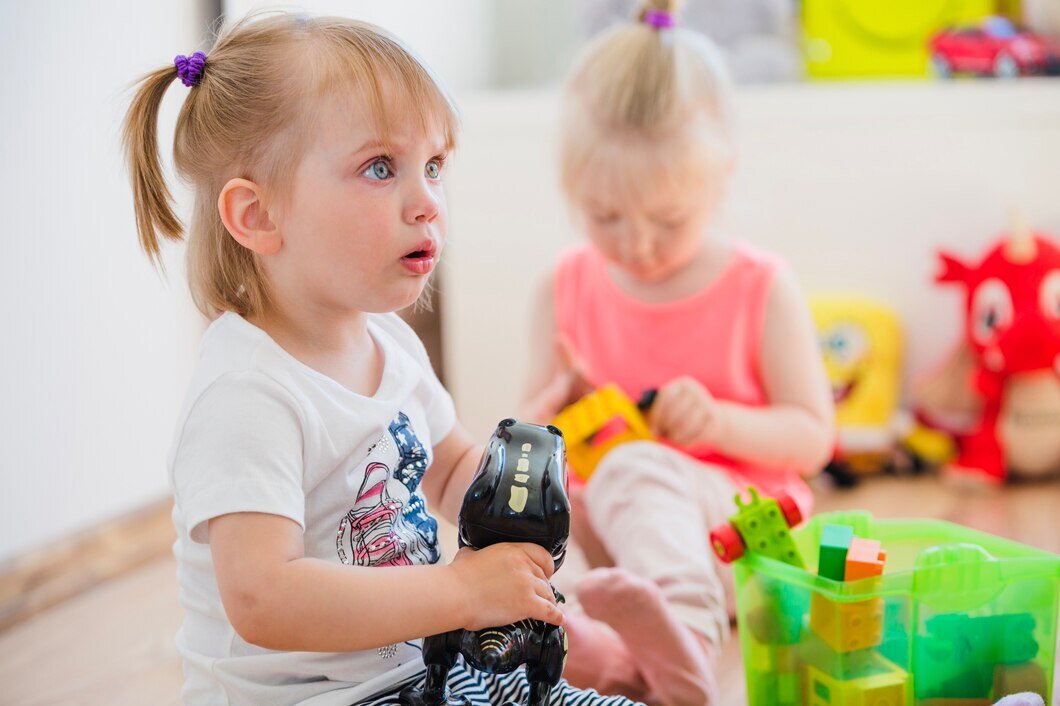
(379,169)
(433,170)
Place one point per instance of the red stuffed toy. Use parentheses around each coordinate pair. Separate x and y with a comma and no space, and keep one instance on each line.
(1008,365)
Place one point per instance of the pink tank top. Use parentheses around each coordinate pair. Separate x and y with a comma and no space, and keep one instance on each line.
(714,335)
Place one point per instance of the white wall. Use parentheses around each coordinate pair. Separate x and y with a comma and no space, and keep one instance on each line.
(453,36)
(856,186)
(96,348)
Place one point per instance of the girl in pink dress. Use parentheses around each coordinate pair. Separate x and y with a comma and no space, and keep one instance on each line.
(657,299)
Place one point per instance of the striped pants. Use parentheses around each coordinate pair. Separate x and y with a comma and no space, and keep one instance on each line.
(494,689)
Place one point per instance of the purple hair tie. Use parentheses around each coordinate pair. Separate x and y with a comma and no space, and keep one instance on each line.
(189,68)
(659,19)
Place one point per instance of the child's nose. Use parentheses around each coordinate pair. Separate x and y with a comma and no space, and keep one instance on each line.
(639,245)
(422,205)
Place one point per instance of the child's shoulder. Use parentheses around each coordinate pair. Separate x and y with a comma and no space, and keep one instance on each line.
(753,256)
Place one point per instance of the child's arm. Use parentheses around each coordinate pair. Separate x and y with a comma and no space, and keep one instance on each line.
(796,429)
(451,471)
(277,598)
(556,376)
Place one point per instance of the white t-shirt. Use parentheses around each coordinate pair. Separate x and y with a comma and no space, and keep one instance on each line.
(262,432)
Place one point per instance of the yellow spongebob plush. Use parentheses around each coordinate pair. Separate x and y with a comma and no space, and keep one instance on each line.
(861,342)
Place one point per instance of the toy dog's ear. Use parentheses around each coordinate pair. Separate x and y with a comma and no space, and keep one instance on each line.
(952,269)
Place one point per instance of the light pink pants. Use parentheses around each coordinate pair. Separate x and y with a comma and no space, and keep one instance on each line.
(652,508)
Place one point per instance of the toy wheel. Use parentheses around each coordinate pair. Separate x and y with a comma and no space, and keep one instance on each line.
(790,508)
(727,543)
(1005,66)
(940,66)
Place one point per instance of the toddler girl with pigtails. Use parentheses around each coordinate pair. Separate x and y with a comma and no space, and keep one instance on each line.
(315,442)
(659,299)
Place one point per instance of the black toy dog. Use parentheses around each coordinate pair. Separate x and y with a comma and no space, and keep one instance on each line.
(519,494)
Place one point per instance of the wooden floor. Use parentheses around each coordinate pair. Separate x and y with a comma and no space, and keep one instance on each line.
(114,644)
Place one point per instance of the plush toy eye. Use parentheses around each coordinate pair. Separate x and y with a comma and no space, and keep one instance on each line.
(1049,295)
(846,343)
(991,310)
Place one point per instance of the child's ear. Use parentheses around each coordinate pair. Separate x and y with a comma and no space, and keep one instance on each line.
(243,214)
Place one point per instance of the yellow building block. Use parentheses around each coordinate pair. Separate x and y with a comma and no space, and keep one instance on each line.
(885,687)
(847,626)
(582,422)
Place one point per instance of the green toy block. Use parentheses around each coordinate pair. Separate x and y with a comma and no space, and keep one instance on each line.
(832,559)
(990,639)
(764,529)
(958,656)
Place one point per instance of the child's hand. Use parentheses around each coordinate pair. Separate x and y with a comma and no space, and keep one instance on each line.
(505,583)
(686,413)
(569,384)
(546,404)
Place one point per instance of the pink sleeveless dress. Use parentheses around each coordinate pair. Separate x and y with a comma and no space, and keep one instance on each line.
(714,335)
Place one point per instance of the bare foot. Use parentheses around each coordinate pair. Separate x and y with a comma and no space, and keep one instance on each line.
(597,658)
(677,664)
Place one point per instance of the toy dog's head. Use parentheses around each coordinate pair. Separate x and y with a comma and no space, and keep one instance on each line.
(519,493)
(1012,303)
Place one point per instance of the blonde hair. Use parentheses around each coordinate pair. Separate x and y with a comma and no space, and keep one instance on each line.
(250,116)
(640,84)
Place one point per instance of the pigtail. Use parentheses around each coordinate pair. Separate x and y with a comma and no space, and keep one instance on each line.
(647,6)
(151,196)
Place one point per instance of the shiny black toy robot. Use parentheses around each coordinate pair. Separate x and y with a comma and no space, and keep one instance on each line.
(519,494)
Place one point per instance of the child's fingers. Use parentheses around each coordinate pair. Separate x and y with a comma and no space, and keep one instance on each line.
(547,611)
(544,590)
(570,358)
(540,557)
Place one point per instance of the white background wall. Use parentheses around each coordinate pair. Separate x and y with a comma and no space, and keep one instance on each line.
(95,347)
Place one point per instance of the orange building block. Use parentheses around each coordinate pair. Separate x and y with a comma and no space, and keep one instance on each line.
(846,627)
(864,559)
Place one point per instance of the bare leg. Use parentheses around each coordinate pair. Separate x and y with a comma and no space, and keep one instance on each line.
(676,663)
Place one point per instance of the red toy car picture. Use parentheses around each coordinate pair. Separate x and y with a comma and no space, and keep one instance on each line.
(996,47)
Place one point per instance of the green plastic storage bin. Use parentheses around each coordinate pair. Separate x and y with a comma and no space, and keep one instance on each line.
(958,617)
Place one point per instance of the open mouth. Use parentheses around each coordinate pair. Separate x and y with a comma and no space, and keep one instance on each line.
(421,260)
(842,392)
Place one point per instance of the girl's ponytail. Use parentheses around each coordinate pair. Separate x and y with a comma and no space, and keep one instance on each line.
(152,199)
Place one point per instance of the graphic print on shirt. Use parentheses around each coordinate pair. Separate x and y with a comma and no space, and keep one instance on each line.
(389,525)
(413,462)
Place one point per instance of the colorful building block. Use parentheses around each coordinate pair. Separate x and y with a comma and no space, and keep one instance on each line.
(760,526)
(885,687)
(582,423)
(839,665)
(832,556)
(988,639)
(864,559)
(847,626)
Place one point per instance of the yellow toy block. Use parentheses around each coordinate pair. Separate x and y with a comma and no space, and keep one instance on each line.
(846,627)
(582,421)
(885,687)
